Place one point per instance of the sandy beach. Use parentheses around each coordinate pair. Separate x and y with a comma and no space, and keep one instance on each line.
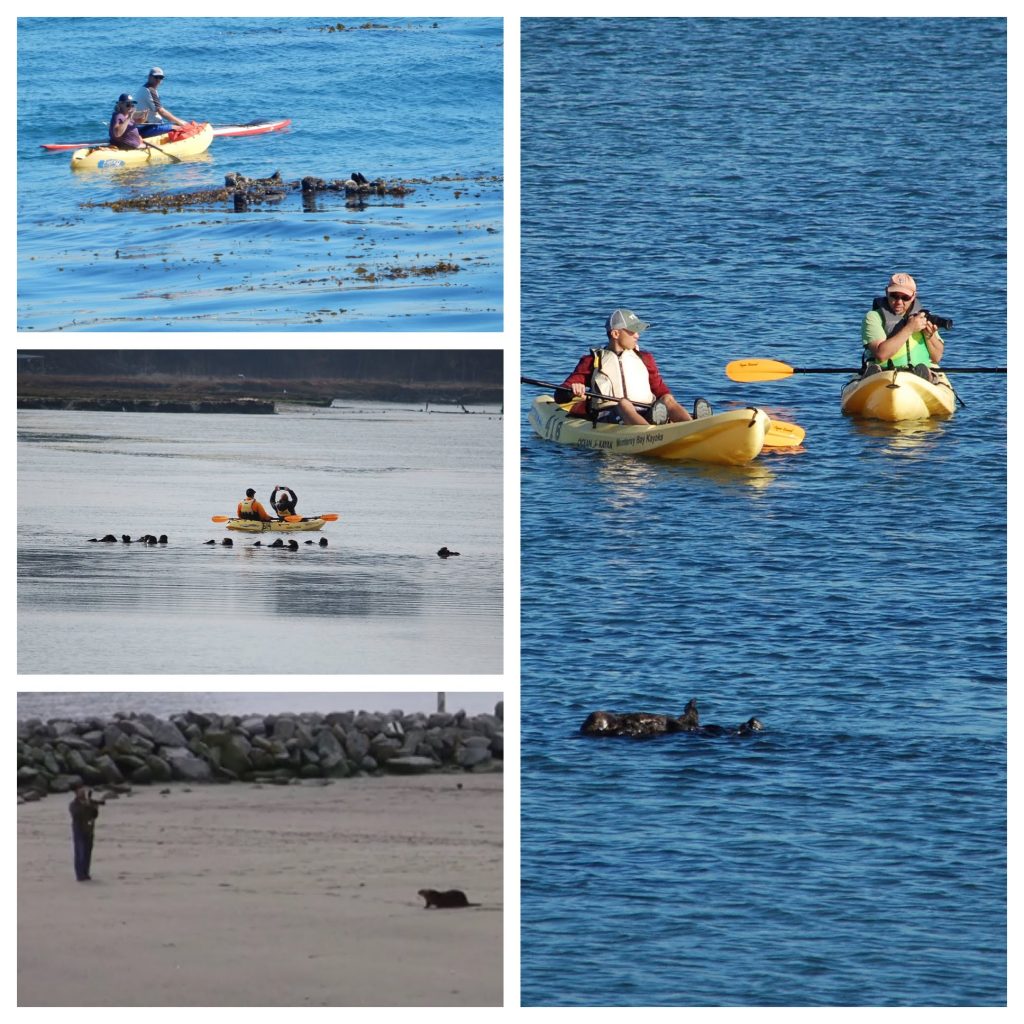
(236,895)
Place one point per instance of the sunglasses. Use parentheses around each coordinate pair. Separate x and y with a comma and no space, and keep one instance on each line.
(897,297)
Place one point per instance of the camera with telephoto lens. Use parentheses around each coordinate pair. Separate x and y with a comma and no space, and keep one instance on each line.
(940,321)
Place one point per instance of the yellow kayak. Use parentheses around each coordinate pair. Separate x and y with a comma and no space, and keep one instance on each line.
(727,438)
(106,157)
(895,395)
(274,526)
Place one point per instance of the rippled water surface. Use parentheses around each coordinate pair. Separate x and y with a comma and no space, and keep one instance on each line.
(748,186)
(411,99)
(377,599)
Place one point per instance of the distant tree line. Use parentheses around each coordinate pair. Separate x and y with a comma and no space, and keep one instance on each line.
(411,366)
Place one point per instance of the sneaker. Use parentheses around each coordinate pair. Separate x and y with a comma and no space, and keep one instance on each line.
(922,371)
(870,369)
(702,409)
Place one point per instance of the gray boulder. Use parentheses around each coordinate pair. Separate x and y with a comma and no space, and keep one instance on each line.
(185,766)
(410,765)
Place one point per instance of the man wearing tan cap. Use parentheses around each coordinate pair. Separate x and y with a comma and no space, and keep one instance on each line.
(897,332)
(150,108)
(630,378)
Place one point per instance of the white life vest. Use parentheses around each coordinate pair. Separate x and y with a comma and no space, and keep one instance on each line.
(621,375)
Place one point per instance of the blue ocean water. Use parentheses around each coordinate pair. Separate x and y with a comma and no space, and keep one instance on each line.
(747,186)
(400,98)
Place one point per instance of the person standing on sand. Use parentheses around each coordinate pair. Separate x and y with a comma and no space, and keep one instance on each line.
(84,811)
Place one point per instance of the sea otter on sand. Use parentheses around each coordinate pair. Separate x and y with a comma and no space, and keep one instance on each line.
(445,900)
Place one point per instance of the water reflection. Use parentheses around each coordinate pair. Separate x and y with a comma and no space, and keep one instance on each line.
(630,478)
(905,438)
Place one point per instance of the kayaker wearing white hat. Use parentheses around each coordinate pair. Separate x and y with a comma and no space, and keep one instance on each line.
(123,130)
(627,376)
(150,107)
(897,332)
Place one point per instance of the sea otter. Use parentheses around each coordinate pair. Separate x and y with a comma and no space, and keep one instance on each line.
(445,553)
(642,724)
(445,900)
(639,724)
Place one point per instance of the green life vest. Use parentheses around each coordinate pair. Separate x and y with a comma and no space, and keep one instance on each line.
(913,353)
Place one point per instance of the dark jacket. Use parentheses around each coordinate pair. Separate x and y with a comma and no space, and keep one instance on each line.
(83,815)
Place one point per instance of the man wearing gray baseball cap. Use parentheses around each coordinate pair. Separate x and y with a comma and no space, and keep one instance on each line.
(150,104)
(630,378)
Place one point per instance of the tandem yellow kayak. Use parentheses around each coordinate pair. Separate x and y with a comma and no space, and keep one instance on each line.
(728,438)
(170,147)
(275,525)
(895,395)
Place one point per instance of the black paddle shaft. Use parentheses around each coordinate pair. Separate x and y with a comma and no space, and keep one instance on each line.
(589,394)
(940,369)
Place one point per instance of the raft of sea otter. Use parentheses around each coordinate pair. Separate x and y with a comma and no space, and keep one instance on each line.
(642,724)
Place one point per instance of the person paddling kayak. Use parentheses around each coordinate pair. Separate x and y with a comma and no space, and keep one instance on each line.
(897,331)
(250,508)
(285,505)
(626,375)
(151,109)
(124,131)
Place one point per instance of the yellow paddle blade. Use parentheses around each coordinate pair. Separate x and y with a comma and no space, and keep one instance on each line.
(221,519)
(750,371)
(784,435)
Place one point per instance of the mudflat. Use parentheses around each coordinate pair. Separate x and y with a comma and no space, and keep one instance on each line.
(236,895)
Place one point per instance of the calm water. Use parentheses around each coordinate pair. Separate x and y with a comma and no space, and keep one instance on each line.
(74,705)
(376,600)
(416,98)
(748,186)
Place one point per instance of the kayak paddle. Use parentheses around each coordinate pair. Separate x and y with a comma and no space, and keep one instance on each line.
(327,517)
(750,371)
(778,435)
(783,435)
(170,156)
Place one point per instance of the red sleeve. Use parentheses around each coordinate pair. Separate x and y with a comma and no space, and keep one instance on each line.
(581,375)
(658,387)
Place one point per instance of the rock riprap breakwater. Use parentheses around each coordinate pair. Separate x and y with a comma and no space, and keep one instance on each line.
(139,749)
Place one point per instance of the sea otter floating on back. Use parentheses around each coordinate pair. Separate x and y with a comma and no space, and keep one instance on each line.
(643,724)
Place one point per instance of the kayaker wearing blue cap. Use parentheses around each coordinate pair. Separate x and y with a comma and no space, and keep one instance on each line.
(897,332)
(124,132)
(627,376)
(150,107)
